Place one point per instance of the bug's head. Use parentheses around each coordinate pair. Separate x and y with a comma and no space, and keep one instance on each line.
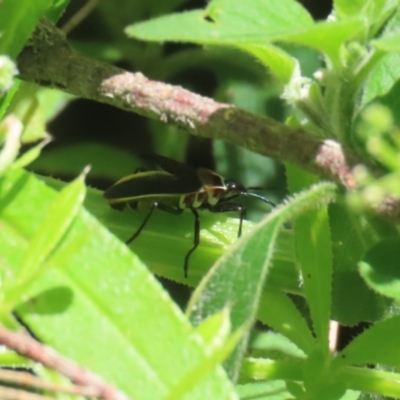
(234,188)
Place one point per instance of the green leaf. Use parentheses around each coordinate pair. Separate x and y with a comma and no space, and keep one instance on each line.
(382,64)
(6,100)
(282,65)
(319,378)
(215,329)
(57,10)
(352,300)
(262,369)
(370,381)
(279,312)
(172,236)
(377,345)
(388,38)
(328,37)
(239,277)
(375,13)
(56,222)
(97,303)
(389,43)
(314,255)
(226,22)
(29,156)
(381,268)
(272,345)
(18,19)
(391,100)
(264,390)
(371,9)
(363,304)
(383,77)
(206,366)
(240,274)
(295,389)
(235,23)
(346,8)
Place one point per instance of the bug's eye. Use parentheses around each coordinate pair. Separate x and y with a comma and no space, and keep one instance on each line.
(230,185)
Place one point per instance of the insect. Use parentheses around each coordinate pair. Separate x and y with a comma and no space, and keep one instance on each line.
(175,188)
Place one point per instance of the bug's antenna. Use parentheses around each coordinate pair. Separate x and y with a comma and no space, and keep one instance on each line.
(257,196)
(255,188)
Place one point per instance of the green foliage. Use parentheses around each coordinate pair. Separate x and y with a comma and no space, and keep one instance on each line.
(17,21)
(317,256)
(241,274)
(85,279)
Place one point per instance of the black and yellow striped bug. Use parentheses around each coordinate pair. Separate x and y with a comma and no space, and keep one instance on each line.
(176,188)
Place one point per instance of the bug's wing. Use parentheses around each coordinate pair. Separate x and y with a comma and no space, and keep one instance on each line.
(205,175)
(151,184)
(209,178)
(172,166)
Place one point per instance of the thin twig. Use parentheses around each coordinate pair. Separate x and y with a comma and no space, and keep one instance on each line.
(18,394)
(28,347)
(79,16)
(22,378)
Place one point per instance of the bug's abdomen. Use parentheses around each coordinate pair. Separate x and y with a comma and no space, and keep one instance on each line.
(146,203)
(203,198)
(194,200)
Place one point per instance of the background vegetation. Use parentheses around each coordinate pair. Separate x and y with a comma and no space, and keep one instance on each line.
(306,109)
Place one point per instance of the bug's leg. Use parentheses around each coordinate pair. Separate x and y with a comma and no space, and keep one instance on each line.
(175,211)
(163,207)
(139,230)
(196,241)
(228,207)
(242,216)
